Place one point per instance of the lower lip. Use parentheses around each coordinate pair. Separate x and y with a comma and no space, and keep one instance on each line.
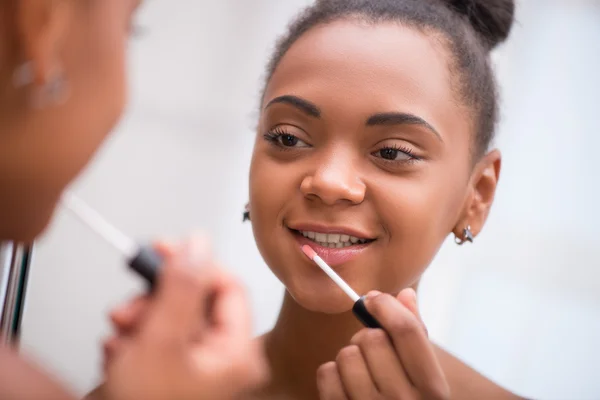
(335,256)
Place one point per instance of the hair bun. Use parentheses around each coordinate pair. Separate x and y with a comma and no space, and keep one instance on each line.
(492,19)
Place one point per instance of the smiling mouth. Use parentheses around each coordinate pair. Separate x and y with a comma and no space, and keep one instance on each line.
(332,240)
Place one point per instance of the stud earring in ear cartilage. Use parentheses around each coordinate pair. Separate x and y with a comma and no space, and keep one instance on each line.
(467,236)
(246,215)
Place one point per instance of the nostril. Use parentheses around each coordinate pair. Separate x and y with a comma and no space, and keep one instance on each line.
(332,187)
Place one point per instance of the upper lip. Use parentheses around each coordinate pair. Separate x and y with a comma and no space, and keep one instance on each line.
(342,230)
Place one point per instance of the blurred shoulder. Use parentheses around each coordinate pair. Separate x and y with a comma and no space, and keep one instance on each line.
(466,383)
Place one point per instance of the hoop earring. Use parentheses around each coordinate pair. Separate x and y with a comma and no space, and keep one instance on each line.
(246,214)
(467,236)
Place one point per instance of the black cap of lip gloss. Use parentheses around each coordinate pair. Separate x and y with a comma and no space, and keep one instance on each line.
(147,264)
(360,311)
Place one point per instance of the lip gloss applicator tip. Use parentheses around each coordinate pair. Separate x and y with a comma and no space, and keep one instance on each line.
(359,309)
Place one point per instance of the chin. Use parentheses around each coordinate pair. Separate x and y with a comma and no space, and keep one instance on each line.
(25,225)
(322,297)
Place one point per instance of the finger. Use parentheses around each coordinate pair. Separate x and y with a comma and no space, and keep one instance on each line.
(329,383)
(167,247)
(355,374)
(112,348)
(182,291)
(408,297)
(230,314)
(412,345)
(231,326)
(126,317)
(383,364)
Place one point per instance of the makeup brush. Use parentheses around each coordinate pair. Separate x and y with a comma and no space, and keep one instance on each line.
(142,259)
(359,309)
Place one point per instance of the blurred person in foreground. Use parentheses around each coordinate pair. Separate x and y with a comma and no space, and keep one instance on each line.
(62,90)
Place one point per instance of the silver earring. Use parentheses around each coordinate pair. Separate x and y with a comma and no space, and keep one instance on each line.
(467,236)
(23,75)
(246,215)
(54,92)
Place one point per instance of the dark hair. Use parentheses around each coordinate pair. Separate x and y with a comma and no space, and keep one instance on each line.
(470,29)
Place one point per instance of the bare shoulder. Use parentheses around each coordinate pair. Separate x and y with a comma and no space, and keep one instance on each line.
(20,380)
(466,383)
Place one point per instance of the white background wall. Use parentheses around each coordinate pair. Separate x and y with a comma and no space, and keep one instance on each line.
(522,304)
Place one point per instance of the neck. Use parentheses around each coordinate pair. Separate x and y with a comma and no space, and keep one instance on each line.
(300,342)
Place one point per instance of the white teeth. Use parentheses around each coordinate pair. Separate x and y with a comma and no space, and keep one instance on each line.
(333,240)
(320,237)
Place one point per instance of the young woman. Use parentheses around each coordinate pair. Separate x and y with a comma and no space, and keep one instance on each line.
(62,89)
(372,147)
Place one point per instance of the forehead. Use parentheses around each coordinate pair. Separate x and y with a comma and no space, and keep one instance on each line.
(355,67)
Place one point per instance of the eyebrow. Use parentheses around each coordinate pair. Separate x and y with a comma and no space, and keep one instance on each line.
(387,118)
(398,118)
(303,105)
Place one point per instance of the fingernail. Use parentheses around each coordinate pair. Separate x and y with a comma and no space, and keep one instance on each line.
(372,294)
(413,295)
(197,250)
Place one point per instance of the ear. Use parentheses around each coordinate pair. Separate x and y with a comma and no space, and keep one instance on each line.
(42,26)
(484,181)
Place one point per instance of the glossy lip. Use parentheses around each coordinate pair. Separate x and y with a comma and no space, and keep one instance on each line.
(342,230)
(334,257)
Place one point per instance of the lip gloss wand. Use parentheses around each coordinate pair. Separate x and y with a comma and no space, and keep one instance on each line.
(359,309)
(142,259)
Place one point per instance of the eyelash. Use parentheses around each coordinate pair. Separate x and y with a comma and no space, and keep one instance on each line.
(405,150)
(274,135)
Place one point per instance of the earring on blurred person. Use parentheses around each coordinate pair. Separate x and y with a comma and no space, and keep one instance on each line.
(53,92)
(467,236)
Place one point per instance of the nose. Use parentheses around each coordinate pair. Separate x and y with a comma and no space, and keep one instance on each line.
(335,180)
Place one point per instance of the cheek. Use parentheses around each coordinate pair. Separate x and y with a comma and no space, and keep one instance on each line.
(418,215)
(97,82)
(106,77)
(270,190)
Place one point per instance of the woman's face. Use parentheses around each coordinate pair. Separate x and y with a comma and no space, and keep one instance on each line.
(364,148)
(48,147)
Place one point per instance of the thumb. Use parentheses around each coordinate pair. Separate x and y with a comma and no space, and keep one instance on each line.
(230,313)
(408,298)
(182,292)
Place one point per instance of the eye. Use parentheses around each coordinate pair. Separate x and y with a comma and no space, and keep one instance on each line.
(396,153)
(283,139)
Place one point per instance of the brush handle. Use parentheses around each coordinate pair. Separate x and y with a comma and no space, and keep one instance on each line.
(147,264)
(360,311)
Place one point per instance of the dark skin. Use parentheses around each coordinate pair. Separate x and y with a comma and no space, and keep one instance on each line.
(43,148)
(365,131)
(390,153)
(45,141)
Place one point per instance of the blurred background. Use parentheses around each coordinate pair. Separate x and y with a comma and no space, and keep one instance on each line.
(521,305)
